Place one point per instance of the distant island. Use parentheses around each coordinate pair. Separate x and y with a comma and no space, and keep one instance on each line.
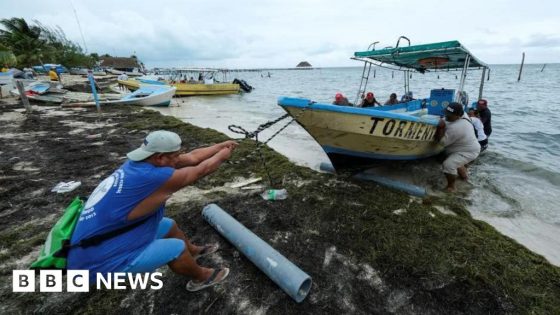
(304,64)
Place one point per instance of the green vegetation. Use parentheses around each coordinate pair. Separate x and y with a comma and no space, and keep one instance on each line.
(448,260)
(7,57)
(34,44)
(392,253)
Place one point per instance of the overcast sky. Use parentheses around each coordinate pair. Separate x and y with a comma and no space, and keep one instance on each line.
(253,33)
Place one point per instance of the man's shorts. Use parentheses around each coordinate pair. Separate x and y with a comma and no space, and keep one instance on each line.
(456,160)
(160,252)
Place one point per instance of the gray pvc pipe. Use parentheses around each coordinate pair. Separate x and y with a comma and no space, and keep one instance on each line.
(278,268)
(391,183)
(327,167)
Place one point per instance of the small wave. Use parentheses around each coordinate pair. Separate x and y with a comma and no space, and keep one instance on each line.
(524,167)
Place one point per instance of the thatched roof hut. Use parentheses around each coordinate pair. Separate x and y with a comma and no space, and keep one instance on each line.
(119,63)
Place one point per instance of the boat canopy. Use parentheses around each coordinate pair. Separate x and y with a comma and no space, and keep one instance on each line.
(443,56)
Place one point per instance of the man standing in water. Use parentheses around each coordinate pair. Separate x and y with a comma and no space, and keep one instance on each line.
(456,134)
(135,195)
(485,116)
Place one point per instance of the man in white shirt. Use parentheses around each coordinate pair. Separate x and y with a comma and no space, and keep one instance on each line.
(479,126)
(457,135)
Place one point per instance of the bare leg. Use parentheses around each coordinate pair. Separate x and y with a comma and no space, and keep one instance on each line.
(175,232)
(462,171)
(450,182)
(185,264)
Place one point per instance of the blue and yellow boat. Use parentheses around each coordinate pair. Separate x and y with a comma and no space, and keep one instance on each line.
(404,131)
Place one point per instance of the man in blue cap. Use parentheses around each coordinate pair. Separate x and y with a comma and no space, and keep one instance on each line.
(135,195)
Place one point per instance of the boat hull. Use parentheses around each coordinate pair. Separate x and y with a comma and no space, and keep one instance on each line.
(365,133)
(188,89)
(160,98)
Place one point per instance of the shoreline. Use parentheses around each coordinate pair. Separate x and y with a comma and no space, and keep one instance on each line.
(367,248)
(537,236)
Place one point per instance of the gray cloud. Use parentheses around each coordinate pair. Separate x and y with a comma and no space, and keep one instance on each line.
(279,33)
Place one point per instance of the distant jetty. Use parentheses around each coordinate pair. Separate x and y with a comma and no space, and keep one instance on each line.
(175,71)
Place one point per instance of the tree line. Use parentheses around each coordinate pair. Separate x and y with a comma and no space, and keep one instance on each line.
(25,45)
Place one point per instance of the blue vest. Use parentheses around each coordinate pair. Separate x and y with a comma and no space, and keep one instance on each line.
(107,209)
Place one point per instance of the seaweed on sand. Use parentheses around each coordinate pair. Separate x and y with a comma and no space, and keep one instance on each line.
(367,248)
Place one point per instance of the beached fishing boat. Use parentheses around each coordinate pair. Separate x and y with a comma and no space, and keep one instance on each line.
(50,93)
(404,131)
(187,89)
(146,95)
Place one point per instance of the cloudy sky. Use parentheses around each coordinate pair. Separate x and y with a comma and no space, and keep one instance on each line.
(260,33)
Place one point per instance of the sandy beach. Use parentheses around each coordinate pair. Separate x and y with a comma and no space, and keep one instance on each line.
(368,249)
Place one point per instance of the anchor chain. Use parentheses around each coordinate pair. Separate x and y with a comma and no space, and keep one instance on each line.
(255,134)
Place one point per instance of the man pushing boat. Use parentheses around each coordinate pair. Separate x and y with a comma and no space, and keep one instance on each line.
(457,135)
(134,196)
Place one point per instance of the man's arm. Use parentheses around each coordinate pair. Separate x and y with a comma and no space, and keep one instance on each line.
(195,157)
(181,177)
(440,131)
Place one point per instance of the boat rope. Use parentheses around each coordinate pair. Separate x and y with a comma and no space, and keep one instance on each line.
(255,134)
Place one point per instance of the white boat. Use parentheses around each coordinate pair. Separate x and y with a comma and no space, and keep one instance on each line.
(146,95)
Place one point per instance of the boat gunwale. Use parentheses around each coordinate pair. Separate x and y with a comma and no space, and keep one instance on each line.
(353,110)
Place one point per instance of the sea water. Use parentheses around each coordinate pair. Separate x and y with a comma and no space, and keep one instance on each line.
(514,185)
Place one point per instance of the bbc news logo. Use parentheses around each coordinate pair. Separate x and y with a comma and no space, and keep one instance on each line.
(78,281)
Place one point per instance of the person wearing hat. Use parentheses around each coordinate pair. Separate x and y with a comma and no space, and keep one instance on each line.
(369,101)
(339,99)
(458,137)
(134,196)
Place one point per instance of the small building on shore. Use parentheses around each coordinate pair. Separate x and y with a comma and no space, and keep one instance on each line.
(120,63)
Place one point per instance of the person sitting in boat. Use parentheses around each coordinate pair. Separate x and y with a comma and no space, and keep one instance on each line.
(392,99)
(369,101)
(485,116)
(135,194)
(339,99)
(192,80)
(477,123)
(53,75)
(456,134)
(122,77)
(407,97)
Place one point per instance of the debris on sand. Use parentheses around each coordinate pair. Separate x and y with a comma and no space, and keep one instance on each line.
(368,249)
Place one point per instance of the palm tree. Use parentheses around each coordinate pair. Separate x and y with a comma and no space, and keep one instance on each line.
(24,40)
(7,57)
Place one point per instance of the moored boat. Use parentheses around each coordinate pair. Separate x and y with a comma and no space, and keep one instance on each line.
(146,95)
(404,131)
(187,89)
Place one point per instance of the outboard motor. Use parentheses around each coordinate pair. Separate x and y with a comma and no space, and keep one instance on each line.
(243,85)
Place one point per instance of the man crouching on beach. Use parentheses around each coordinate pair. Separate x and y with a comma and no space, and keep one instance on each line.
(457,135)
(137,191)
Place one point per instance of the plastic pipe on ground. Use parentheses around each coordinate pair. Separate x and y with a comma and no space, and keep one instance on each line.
(406,187)
(278,268)
(327,167)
